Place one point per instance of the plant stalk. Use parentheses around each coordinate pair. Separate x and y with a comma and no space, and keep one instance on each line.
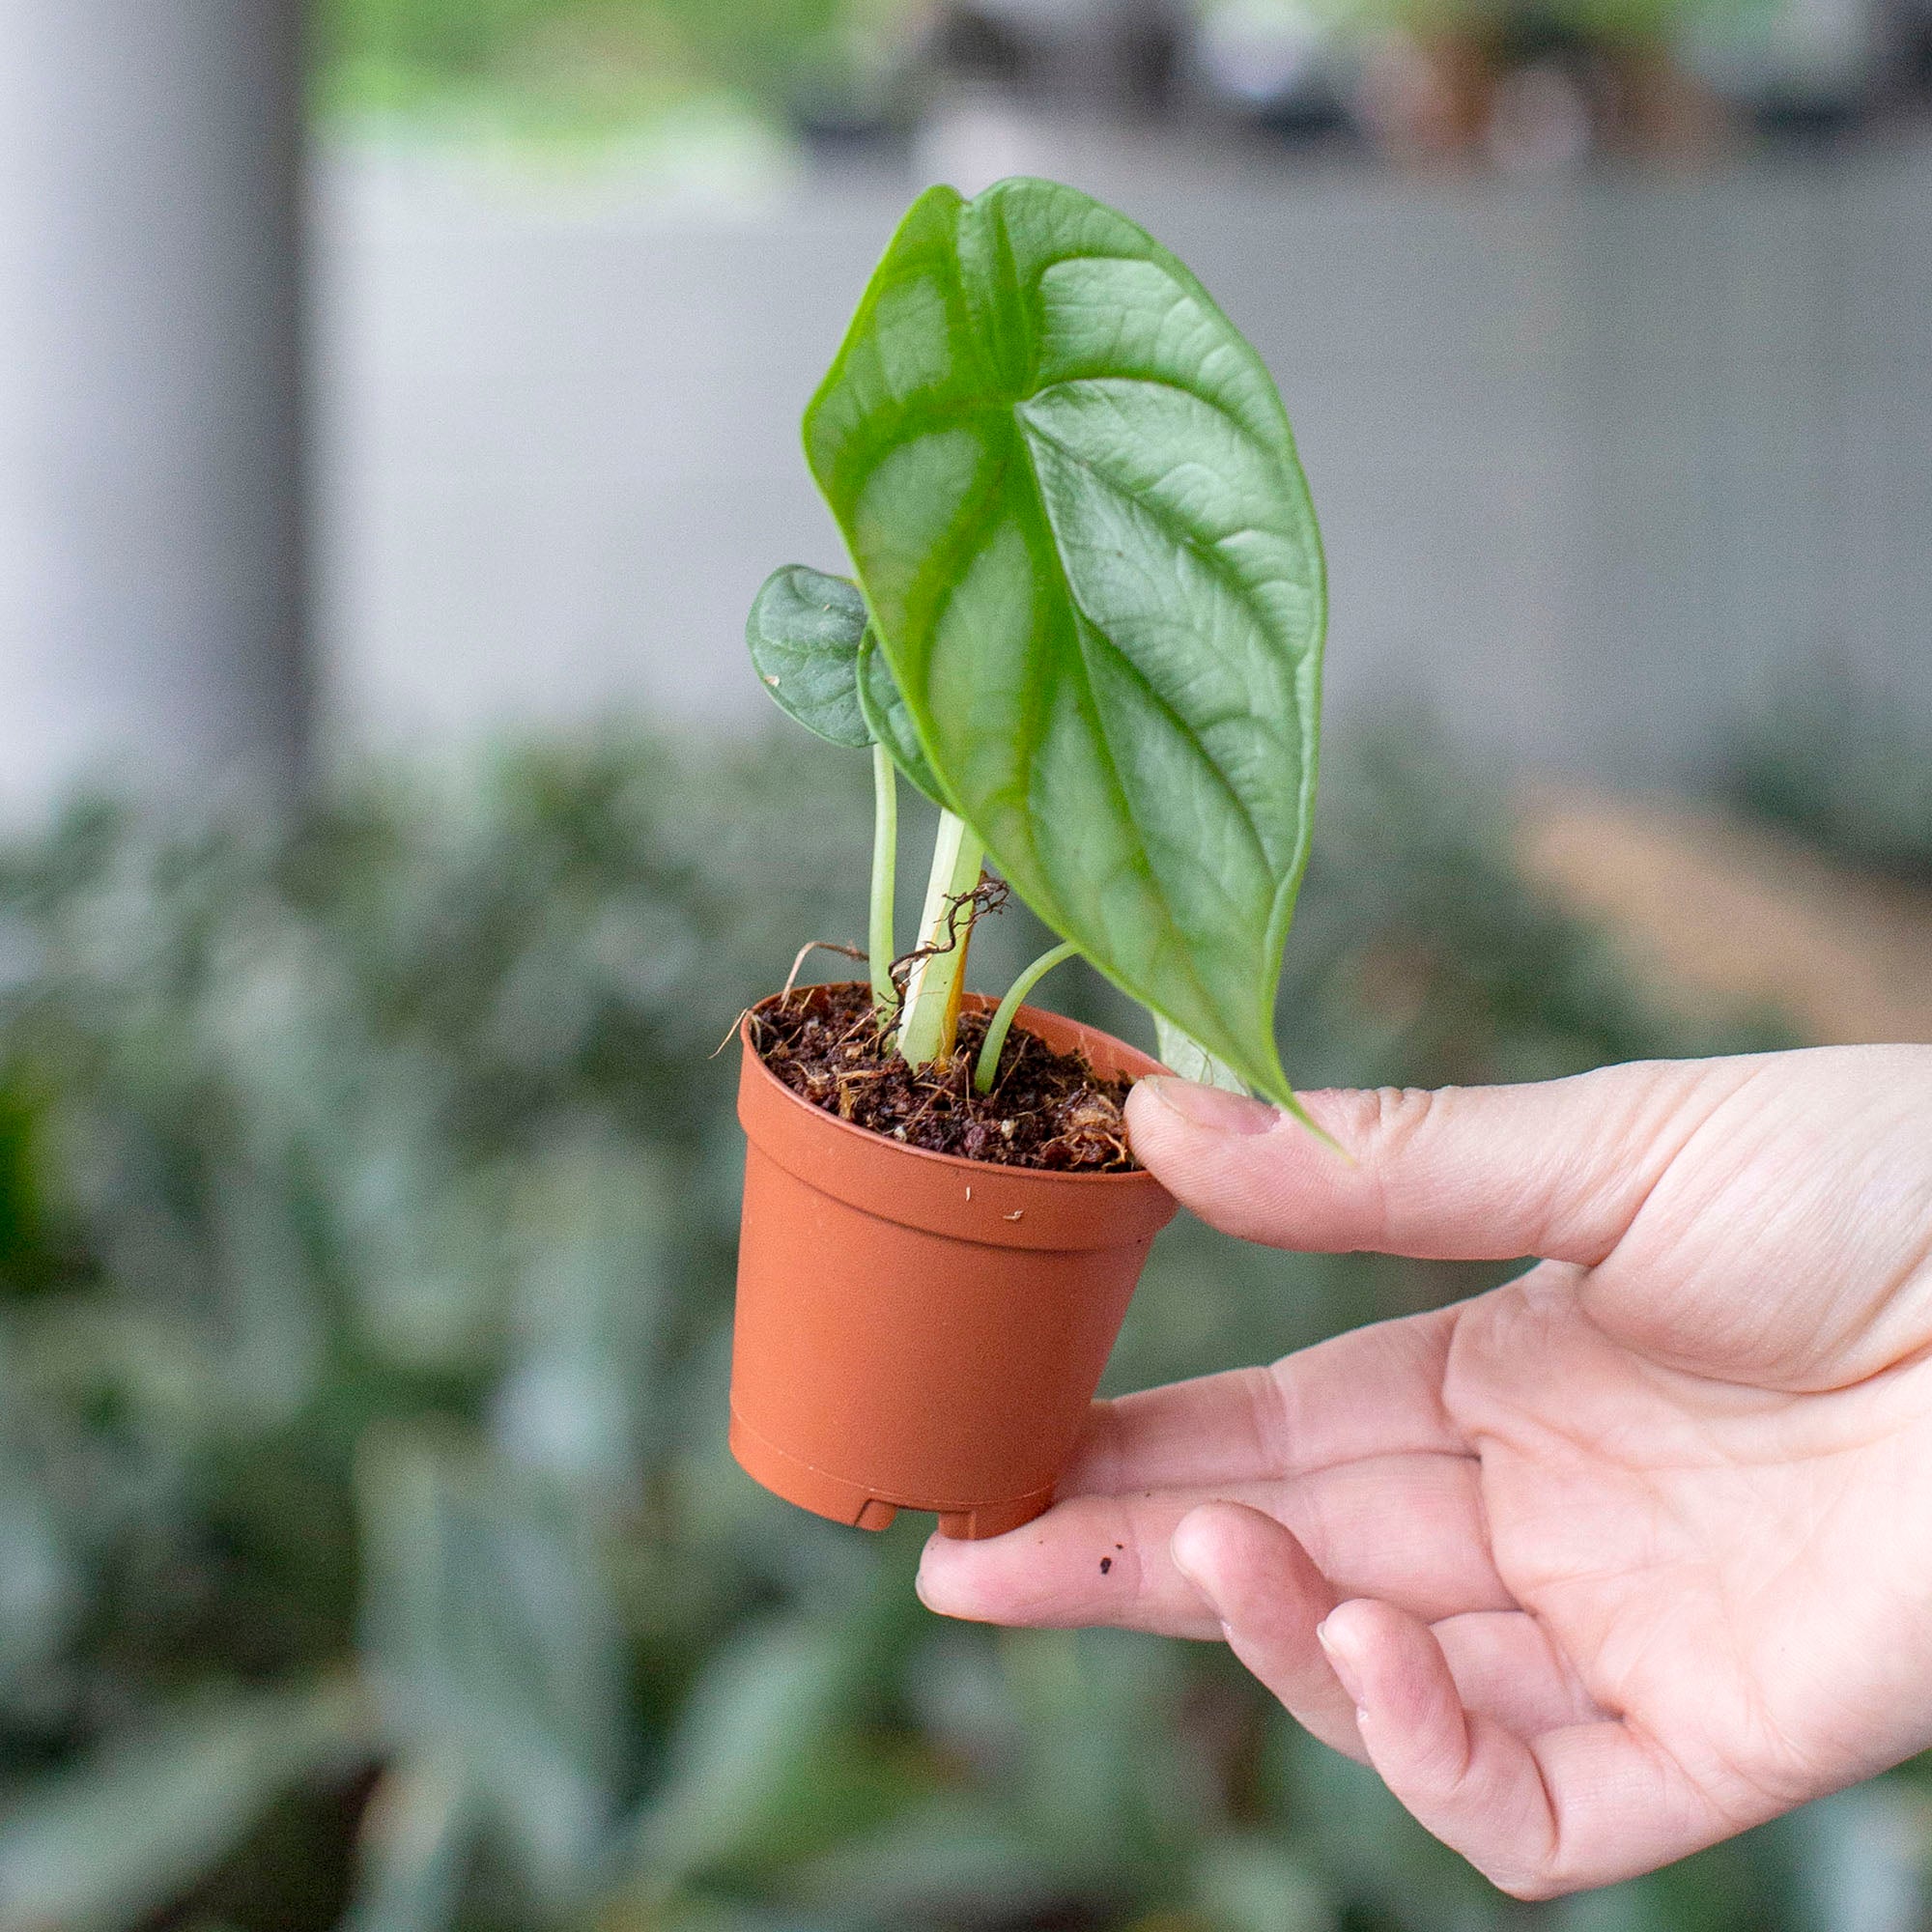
(930,1024)
(881,951)
(986,1071)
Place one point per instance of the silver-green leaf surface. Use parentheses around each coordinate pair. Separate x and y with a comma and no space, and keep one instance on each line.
(888,720)
(804,633)
(1075,505)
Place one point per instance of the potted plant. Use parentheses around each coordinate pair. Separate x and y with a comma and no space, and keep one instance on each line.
(1085,620)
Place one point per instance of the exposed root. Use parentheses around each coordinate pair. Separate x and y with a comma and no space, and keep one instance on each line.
(990,895)
(812,946)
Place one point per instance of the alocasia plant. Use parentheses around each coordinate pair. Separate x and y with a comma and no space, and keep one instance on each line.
(1088,611)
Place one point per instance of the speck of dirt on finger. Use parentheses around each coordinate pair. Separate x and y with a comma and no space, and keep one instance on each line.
(1106,1564)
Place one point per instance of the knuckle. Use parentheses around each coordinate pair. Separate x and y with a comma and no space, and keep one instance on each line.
(1384,1120)
(1403,1115)
(1096,1461)
(1270,1417)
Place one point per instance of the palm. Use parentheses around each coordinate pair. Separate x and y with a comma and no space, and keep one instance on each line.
(1655,1502)
(1726,1569)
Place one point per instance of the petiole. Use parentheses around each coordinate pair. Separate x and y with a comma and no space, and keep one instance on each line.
(931,1021)
(885,867)
(986,1071)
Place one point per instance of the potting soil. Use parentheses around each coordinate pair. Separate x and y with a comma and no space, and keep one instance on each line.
(1046,1110)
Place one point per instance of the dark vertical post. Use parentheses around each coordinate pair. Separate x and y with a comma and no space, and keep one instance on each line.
(152,622)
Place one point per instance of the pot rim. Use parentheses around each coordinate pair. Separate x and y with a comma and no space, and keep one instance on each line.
(1139,1177)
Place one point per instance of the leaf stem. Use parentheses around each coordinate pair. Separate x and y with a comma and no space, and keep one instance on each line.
(930,1022)
(885,867)
(988,1067)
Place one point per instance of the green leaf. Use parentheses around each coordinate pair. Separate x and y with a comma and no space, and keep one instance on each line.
(111,1839)
(761,1767)
(1183,1054)
(888,720)
(1083,532)
(818,656)
(492,1640)
(804,633)
(414,1849)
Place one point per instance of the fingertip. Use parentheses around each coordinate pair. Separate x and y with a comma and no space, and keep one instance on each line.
(1344,1636)
(1350,1626)
(1257,1580)
(1291,1176)
(945,1580)
(1163,1103)
(1408,1705)
(1194,1551)
(1192,1545)
(1212,1540)
(1247,1568)
(921,1585)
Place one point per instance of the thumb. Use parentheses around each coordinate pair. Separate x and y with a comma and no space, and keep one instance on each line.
(1556,1170)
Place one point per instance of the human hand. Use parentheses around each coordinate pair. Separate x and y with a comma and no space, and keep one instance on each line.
(1598,1567)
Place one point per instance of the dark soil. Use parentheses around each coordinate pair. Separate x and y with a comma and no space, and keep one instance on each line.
(1046,1110)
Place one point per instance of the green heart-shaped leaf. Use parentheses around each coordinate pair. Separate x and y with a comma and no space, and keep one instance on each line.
(1074,502)
(816,652)
(804,633)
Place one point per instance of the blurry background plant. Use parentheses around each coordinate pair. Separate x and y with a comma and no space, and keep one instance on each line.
(369,1552)
(1536,83)
(1824,759)
(603,66)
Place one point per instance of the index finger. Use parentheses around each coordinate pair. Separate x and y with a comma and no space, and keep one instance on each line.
(1374,1391)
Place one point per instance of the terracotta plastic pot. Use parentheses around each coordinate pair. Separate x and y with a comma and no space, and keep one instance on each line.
(919,1331)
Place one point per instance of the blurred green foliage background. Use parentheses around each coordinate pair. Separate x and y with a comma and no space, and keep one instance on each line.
(585,64)
(369,1550)
(578,67)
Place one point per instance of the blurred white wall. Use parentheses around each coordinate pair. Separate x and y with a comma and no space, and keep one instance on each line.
(1593,458)
(150,517)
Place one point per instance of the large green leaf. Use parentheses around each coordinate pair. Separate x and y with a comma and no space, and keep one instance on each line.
(1075,507)
(888,719)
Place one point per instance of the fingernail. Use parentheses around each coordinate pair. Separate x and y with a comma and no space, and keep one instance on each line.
(1341,1663)
(1211,1107)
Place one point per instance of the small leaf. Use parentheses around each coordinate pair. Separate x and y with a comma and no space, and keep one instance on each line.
(490,1634)
(1183,1054)
(888,720)
(762,1715)
(110,1840)
(804,633)
(1084,539)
